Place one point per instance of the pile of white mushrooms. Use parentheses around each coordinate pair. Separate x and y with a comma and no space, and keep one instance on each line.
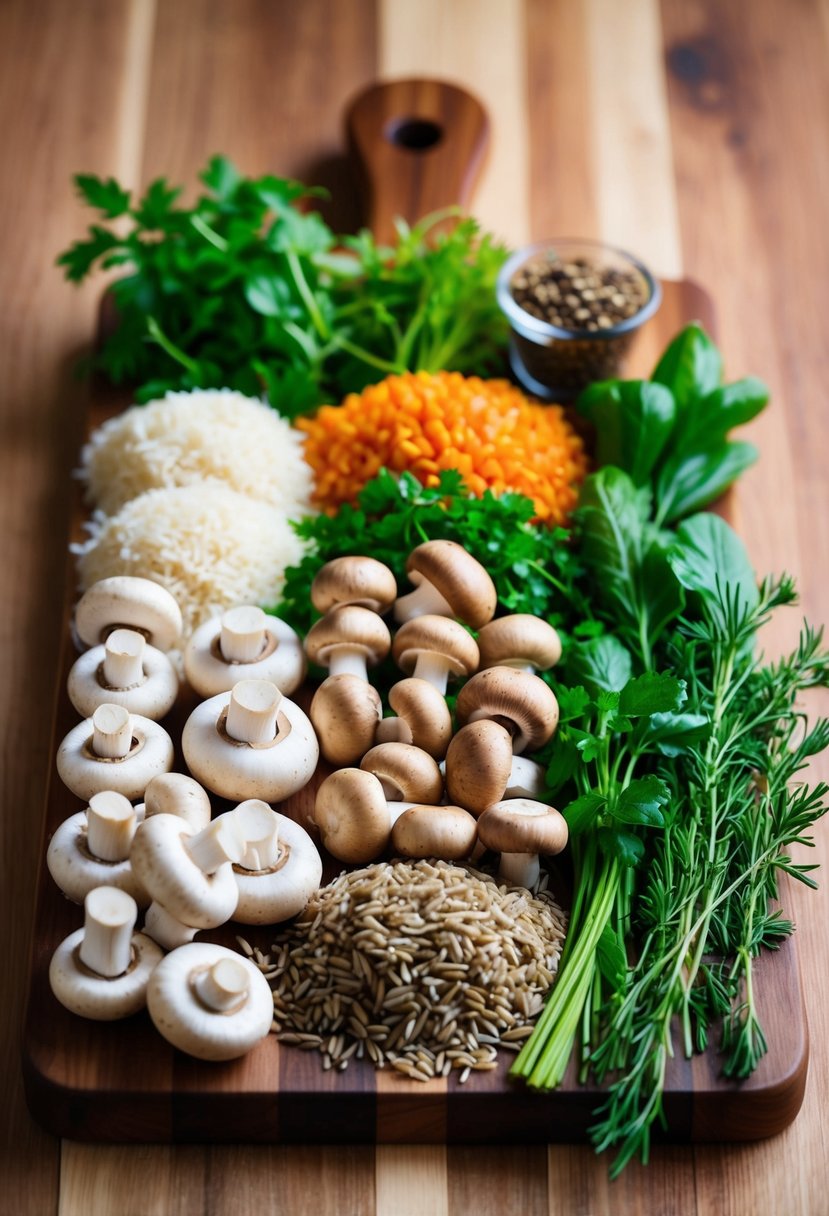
(146,841)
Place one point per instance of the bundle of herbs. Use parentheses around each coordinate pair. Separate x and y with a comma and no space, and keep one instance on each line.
(678,761)
(247,289)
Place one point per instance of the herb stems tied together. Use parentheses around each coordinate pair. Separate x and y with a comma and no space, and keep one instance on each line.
(681,752)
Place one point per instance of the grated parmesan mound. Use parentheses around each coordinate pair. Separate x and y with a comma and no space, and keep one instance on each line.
(210,546)
(205,436)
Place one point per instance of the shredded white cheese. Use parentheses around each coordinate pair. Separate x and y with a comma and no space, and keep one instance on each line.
(210,546)
(205,436)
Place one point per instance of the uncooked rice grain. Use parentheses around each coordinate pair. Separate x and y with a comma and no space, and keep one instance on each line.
(455,1001)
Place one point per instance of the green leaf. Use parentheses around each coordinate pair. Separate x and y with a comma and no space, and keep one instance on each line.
(624,846)
(611,957)
(582,813)
(600,663)
(106,196)
(221,177)
(633,420)
(708,557)
(268,294)
(673,734)
(640,802)
(572,702)
(688,483)
(611,518)
(155,207)
(80,258)
(652,693)
(719,411)
(691,367)
(564,760)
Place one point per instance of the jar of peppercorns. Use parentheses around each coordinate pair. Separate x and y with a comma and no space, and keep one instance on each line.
(574,308)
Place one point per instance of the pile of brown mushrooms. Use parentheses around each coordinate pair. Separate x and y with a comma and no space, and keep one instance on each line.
(404,783)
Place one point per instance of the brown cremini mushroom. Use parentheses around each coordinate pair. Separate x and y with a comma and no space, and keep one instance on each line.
(348,639)
(423,717)
(433,648)
(345,713)
(518,700)
(520,829)
(520,640)
(406,773)
(354,580)
(447,832)
(481,768)
(352,815)
(448,582)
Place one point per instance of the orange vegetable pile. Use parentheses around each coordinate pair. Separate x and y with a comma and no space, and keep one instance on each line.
(487,429)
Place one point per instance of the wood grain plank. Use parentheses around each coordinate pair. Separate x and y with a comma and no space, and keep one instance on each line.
(750,120)
(411,1180)
(63,105)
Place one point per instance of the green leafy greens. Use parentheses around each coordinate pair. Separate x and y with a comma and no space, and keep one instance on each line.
(246,290)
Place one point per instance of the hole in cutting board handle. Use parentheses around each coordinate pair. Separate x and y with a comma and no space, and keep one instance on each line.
(413,134)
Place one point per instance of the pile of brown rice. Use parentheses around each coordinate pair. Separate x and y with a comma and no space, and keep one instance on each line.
(426,966)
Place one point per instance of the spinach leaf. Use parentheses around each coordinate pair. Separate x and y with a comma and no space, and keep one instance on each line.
(691,366)
(633,420)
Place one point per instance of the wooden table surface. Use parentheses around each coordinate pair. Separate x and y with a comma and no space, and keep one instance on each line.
(694,132)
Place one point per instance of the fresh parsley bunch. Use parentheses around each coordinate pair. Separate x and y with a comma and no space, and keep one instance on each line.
(247,290)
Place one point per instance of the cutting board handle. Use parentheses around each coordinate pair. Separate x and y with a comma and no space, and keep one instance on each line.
(419,146)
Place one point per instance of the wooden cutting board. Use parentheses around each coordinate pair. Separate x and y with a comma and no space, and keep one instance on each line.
(420,145)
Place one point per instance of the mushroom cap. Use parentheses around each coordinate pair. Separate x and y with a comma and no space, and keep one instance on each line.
(447,832)
(172,878)
(407,773)
(437,635)
(136,603)
(185,1021)
(354,580)
(478,763)
(352,815)
(345,712)
(94,996)
(267,897)
(520,825)
(423,717)
(271,771)
(458,576)
(178,794)
(86,774)
(519,640)
(282,661)
(519,700)
(153,697)
(77,872)
(348,625)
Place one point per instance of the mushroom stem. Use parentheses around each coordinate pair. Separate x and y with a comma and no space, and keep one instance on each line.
(252,712)
(348,660)
(222,986)
(109,921)
(526,779)
(123,658)
(425,599)
(520,869)
(434,669)
(217,844)
(259,828)
(165,929)
(111,732)
(243,634)
(110,826)
(393,730)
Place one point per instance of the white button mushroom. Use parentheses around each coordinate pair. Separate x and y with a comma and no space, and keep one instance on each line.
(125,671)
(250,742)
(243,644)
(177,794)
(449,582)
(280,868)
(101,971)
(210,1002)
(124,601)
(92,848)
(114,750)
(519,829)
(189,877)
